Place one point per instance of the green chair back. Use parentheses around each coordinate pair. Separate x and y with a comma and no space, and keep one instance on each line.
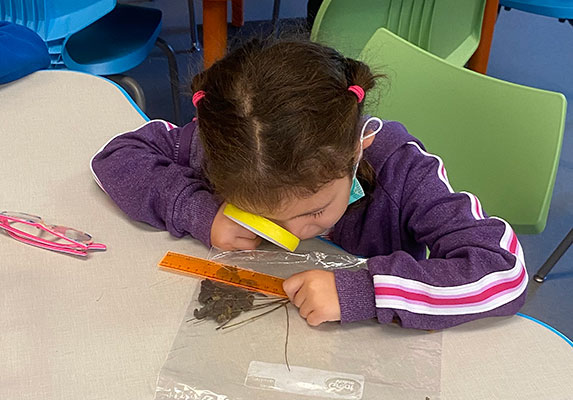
(498,140)
(449,29)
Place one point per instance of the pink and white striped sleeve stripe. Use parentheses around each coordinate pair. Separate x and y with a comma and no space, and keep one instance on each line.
(491,291)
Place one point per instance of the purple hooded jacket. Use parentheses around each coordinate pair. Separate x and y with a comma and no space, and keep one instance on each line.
(475,269)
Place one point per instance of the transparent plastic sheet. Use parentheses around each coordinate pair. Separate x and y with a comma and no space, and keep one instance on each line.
(363,360)
(271,260)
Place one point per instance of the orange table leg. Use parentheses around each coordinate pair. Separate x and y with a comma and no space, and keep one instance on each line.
(480,58)
(214,30)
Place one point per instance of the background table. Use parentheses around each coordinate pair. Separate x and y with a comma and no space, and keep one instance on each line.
(101,327)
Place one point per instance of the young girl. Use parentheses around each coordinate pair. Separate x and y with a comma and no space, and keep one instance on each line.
(280,133)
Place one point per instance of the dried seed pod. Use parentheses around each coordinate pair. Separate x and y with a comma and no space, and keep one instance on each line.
(222,302)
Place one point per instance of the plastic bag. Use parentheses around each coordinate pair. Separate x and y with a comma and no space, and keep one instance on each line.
(362,360)
(280,263)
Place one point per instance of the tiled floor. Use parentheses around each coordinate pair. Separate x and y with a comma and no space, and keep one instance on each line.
(527,49)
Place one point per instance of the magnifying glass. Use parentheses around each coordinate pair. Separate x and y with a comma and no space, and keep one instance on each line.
(262,227)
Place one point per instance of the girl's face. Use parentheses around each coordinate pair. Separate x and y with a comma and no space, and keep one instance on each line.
(311,216)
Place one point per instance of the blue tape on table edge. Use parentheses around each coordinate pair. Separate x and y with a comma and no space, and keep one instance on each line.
(552,329)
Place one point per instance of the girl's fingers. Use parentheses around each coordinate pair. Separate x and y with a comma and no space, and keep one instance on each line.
(246,244)
(257,241)
(305,309)
(314,319)
(292,286)
(237,229)
(299,298)
(245,233)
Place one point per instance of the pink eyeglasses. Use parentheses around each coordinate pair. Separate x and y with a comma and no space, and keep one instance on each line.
(34,231)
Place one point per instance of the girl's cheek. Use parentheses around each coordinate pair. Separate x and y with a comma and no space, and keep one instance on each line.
(310,231)
(331,220)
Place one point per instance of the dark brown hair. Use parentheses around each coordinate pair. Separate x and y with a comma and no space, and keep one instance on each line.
(278,121)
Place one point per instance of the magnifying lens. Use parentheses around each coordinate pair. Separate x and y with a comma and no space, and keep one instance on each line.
(262,227)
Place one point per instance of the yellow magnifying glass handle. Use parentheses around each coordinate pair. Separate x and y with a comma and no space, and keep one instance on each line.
(263,227)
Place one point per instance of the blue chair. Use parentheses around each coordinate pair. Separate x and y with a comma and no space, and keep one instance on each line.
(22,52)
(562,9)
(54,20)
(117,42)
(96,36)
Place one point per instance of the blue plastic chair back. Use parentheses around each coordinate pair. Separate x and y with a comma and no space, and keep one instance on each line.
(115,43)
(54,19)
(550,8)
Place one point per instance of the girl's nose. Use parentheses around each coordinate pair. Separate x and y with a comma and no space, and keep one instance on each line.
(293,227)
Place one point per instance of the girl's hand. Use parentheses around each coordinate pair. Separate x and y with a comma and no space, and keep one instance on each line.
(314,293)
(228,235)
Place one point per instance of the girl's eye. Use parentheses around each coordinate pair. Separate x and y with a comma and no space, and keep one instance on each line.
(317,214)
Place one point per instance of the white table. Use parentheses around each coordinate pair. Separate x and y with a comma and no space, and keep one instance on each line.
(101,327)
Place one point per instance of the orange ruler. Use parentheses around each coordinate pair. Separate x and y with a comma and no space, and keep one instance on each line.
(232,275)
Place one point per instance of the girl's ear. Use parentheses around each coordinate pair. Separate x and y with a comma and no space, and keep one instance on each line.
(368,141)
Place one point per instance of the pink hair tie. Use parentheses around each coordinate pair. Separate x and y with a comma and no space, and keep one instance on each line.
(198,96)
(358,91)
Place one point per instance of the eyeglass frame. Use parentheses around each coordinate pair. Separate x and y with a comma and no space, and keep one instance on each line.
(75,247)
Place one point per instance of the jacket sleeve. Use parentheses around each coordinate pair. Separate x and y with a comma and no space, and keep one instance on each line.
(151,175)
(475,268)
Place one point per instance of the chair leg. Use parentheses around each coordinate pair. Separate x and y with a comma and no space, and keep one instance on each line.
(479,60)
(194,36)
(276,11)
(173,76)
(554,257)
(132,87)
(193,27)
(237,13)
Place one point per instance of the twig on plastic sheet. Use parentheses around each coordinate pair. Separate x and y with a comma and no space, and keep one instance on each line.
(287,333)
(224,303)
(266,304)
(259,305)
(281,303)
(196,321)
(255,317)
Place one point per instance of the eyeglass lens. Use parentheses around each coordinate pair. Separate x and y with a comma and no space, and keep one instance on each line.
(70,233)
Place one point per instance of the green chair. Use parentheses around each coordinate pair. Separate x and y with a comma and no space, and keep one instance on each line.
(498,140)
(449,29)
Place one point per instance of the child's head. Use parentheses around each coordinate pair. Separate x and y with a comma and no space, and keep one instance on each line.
(281,130)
